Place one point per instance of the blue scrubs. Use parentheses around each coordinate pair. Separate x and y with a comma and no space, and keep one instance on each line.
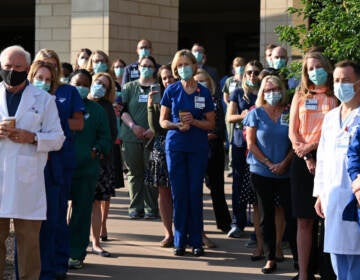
(239,164)
(186,155)
(54,234)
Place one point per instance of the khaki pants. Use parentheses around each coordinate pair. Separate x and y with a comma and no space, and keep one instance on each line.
(28,251)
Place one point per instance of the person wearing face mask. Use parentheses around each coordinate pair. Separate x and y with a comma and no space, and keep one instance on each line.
(92,144)
(158,175)
(67,69)
(312,100)
(187,112)
(241,100)
(102,91)
(117,71)
(230,85)
(82,58)
(24,150)
(71,108)
(268,52)
(98,62)
(269,157)
(214,178)
(337,166)
(132,72)
(201,58)
(137,137)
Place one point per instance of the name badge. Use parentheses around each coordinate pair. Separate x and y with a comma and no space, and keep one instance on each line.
(134,74)
(232,86)
(311,104)
(143,98)
(199,102)
(343,141)
(284,119)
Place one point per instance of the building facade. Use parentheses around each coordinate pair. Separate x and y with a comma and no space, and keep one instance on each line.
(228,29)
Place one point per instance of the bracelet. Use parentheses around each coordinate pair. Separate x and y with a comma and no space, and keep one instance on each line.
(265,160)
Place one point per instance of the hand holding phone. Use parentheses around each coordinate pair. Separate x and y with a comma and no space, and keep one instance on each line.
(155,89)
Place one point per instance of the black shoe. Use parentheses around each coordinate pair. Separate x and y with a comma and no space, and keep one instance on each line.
(179,251)
(104,238)
(197,252)
(60,276)
(267,270)
(257,258)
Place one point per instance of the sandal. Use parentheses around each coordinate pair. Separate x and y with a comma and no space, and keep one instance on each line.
(167,242)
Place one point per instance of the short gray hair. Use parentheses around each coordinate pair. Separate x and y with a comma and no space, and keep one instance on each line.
(18,49)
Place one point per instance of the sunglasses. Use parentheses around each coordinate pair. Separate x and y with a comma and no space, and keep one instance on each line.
(255,72)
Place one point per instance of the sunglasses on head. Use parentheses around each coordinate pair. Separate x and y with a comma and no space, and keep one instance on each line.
(255,72)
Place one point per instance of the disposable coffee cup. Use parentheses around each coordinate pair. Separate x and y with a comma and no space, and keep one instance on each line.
(181,117)
(10,121)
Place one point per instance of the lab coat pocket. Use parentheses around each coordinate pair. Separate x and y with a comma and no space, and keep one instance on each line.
(26,168)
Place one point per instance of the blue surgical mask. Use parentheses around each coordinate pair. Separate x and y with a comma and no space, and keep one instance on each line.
(204,84)
(83,91)
(97,90)
(272,97)
(119,71)
(144,52)
(41,85)
(100,67)
(250,83)
(269,62)
(344,91)
(279,63)
(318,76)
(239,70)
(64,80)
(199,56)
(146,72)
(185,72)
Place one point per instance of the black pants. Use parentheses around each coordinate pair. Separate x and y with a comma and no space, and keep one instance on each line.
(215,181)
(266,189)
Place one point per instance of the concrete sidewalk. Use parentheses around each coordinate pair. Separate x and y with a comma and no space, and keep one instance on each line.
(136,254)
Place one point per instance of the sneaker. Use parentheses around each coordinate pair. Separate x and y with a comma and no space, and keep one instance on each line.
(250,243)
(234,232)
(75,263)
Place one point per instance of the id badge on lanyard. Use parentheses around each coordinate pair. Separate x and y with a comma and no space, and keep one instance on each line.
(199,102)
(134,74)
(311,104)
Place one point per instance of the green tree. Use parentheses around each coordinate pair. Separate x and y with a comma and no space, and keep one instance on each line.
(334,26)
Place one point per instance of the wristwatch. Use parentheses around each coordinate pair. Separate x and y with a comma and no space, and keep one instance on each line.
(307,156)
(35,139)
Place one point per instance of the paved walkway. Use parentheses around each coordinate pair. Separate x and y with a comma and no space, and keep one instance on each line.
(136,254)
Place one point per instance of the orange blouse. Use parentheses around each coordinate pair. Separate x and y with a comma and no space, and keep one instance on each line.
(312,109)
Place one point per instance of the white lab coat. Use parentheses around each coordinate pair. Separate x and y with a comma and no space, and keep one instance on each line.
(22,186)
(333,184)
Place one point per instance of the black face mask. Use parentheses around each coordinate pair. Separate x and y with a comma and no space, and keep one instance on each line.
(13,78)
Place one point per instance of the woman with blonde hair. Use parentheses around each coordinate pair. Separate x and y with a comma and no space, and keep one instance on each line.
(269,157)
(187,112)
(214,178)
(98,62)
(54,235)
(102,91)
(311,102)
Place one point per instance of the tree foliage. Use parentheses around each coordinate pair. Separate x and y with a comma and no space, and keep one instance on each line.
(334,26)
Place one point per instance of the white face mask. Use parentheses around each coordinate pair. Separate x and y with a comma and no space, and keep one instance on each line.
(344,91)
(82,62)
(203,84)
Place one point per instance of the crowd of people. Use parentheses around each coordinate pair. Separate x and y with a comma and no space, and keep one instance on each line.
(69,133)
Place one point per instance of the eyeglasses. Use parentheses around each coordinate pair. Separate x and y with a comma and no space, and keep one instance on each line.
(255,72)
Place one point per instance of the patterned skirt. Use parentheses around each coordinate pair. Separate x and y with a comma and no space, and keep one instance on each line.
(105,186)
(157,173)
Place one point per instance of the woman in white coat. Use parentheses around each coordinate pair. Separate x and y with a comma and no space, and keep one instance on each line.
(332,185)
